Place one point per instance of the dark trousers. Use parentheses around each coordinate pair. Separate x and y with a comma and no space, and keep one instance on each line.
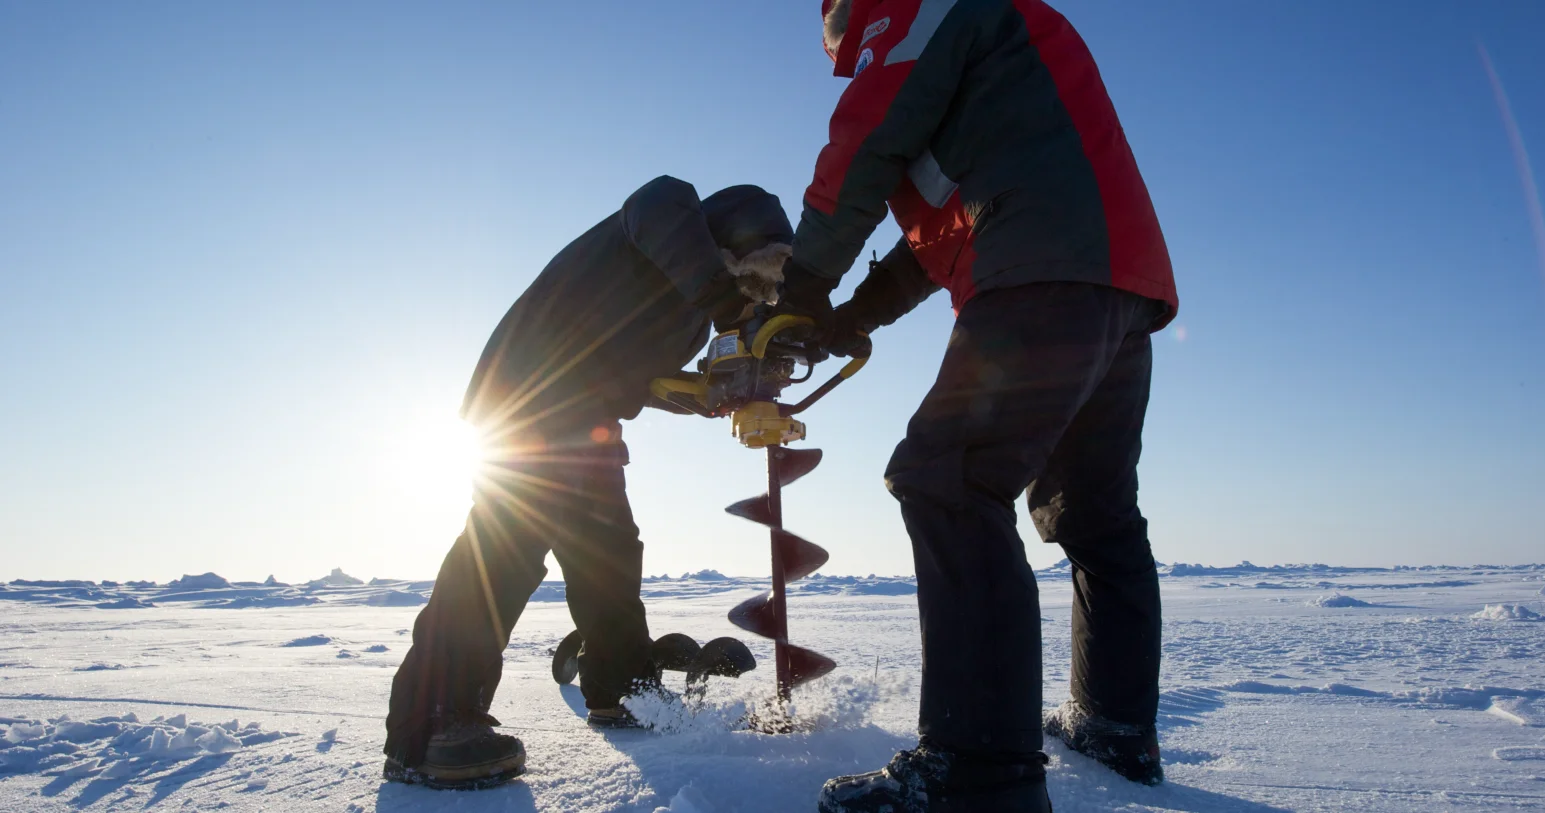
(572,501)
(1044,387)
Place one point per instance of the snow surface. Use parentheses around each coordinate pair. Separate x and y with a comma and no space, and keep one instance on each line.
(1276,697)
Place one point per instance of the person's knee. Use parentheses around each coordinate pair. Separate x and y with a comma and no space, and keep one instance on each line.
(1118,548)
(958,477)
(1075,517)
(914,476)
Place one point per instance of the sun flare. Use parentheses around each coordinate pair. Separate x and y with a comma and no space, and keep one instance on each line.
(435,459)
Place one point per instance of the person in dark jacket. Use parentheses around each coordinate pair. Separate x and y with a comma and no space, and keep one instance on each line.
(628,301)
(985,128)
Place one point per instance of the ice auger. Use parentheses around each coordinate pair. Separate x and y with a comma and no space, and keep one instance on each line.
(744,382)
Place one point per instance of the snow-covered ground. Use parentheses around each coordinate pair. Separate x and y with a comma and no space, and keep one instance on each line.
(1301,688)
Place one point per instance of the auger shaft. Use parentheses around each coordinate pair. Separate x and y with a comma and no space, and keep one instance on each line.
(780,603)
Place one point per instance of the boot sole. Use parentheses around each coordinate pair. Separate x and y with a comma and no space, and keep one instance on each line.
(1032,800)
(474,777)
(615,723)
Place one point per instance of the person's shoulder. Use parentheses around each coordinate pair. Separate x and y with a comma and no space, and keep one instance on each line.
(664,186)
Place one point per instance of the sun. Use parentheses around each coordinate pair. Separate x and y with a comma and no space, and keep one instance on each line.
(435,459)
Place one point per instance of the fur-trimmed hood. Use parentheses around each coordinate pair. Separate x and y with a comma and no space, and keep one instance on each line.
(757,274)
(754,236)
(834,15)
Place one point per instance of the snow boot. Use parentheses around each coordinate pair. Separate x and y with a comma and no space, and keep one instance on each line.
(463,754)
(1130,750)
(619,716)
(931,780)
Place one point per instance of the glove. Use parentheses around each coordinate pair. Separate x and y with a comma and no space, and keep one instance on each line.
(892,289)
(847,337)
(804,293)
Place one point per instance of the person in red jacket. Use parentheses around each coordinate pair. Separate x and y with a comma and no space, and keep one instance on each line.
(985,128)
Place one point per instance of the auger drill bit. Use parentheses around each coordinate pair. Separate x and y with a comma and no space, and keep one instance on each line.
(793,558)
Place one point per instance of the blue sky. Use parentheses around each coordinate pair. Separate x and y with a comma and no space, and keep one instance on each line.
(249,255)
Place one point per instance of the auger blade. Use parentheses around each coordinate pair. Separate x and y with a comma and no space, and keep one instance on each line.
(806,665)
(754,509)
(796,463)
(756,615)
(801,557)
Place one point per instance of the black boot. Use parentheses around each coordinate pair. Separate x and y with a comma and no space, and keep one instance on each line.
(463,754)
(650,685)
(930,780)
(1129,750)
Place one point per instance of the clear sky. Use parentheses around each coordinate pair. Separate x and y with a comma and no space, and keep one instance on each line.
(249,254)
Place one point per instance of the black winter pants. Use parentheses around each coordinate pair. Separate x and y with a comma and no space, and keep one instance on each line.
(574,504)
(1044,387)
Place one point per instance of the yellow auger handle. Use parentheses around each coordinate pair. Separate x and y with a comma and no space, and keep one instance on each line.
(664,387)
(848,371)
(684,393)
(773,327)
(852,367)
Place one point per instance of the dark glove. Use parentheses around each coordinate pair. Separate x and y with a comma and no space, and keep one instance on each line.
(848,336)
(805,293)
(894,286)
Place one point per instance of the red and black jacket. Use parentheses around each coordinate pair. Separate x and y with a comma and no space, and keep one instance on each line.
(985,127)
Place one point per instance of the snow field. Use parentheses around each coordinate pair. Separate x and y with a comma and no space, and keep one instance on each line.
(1416,698)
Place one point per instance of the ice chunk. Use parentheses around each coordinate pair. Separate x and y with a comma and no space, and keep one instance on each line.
(72,731)
(1507,612)
(1519,710)
(188,738)
(218,741)
(309,640)
(376,648)
(330,735)
(23,732)
(20,760)
(203,581)
(1338,600)
(337,578)
(180,721)
(160,742)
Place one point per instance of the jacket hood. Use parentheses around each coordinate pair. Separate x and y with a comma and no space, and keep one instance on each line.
(754,235)
(743,219)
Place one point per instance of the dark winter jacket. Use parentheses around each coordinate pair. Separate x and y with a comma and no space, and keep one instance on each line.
(986,128)
(626,302)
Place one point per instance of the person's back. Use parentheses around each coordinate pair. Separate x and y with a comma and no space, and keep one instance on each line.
(603,318)
(985,126)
